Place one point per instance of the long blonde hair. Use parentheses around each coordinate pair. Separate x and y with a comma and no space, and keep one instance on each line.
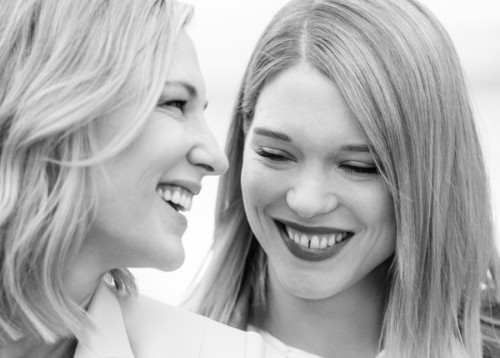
(398,72)
(65,66)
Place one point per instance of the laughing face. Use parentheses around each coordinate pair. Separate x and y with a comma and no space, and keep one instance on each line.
(143,191)
(312,193)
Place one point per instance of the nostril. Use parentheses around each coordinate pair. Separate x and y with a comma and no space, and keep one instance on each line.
(206,167)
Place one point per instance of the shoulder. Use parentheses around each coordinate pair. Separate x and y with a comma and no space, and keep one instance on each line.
(141,310)
(156,328)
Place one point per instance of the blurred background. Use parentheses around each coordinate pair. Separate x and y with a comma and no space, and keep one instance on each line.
(225,32)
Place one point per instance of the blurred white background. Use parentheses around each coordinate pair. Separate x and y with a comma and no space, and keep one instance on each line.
(225,32)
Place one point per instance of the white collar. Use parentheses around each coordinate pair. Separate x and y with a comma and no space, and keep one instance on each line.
(107,337)
(158,330)
(276,348)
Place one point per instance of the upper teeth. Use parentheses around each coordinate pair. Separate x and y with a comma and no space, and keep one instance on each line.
(176,195)
(315,241)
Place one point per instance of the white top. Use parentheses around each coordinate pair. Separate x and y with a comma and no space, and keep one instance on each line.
(140,327)
(274,348)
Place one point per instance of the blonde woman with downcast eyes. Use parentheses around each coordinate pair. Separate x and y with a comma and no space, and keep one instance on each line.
(354,219)
(103,145)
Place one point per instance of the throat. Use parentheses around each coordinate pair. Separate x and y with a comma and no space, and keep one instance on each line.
(346,325)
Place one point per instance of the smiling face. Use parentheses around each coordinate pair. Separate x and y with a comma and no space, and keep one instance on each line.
(144,189)
(312,193)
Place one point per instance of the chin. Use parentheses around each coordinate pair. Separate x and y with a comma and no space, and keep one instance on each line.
(170,262)
(307,287)
(310,291)
(168,256)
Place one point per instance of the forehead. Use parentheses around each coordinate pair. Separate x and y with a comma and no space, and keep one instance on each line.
(309,105)
(185,66)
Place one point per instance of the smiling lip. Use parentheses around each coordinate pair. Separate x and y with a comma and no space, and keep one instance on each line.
(310,230)
(177,196)
(176,220)
(309,254)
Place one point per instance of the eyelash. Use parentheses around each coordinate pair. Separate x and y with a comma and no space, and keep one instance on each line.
(271,156)
(177,103)
(354,169)
(351,169)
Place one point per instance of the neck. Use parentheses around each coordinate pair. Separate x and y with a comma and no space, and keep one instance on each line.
(81,285)
(347,324)
(84,275)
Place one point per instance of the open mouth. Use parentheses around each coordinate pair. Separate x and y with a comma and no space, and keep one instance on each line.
(314,245)
(177,197)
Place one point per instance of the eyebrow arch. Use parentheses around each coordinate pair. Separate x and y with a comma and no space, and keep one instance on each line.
(272,134)
(188,87)
(355,148)
(275,134)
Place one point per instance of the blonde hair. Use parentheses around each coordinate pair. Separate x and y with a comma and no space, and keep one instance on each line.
(398,72)
(65,66)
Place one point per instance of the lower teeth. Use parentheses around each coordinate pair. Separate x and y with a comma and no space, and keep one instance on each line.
(176,207)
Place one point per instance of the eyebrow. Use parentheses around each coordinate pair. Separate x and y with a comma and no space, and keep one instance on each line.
(193,92)
(355,148)
(276,134)
(272,134)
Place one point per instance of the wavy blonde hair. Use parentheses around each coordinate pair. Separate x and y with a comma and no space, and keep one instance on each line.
(65,66)
(400,75)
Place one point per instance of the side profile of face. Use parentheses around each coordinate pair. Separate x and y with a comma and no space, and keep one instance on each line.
(312,193)
(143,191)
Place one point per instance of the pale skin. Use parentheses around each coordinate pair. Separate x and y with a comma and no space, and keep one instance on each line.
(307,167)
(175,150)
(347,325)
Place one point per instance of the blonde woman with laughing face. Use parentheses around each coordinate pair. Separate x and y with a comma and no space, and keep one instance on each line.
(103,145)
(354,219)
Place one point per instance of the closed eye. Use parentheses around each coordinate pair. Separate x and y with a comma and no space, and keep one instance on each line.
(273,155)
(178,104)
(357,169)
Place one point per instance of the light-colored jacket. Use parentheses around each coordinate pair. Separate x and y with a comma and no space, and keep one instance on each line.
(140,327)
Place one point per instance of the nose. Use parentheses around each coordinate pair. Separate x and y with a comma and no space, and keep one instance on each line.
(206,153)
(311,196)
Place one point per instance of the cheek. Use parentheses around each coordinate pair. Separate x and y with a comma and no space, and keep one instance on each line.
(381,223)
(374,205)
(383,213)
(259,184)
(260,193)
(252,186)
